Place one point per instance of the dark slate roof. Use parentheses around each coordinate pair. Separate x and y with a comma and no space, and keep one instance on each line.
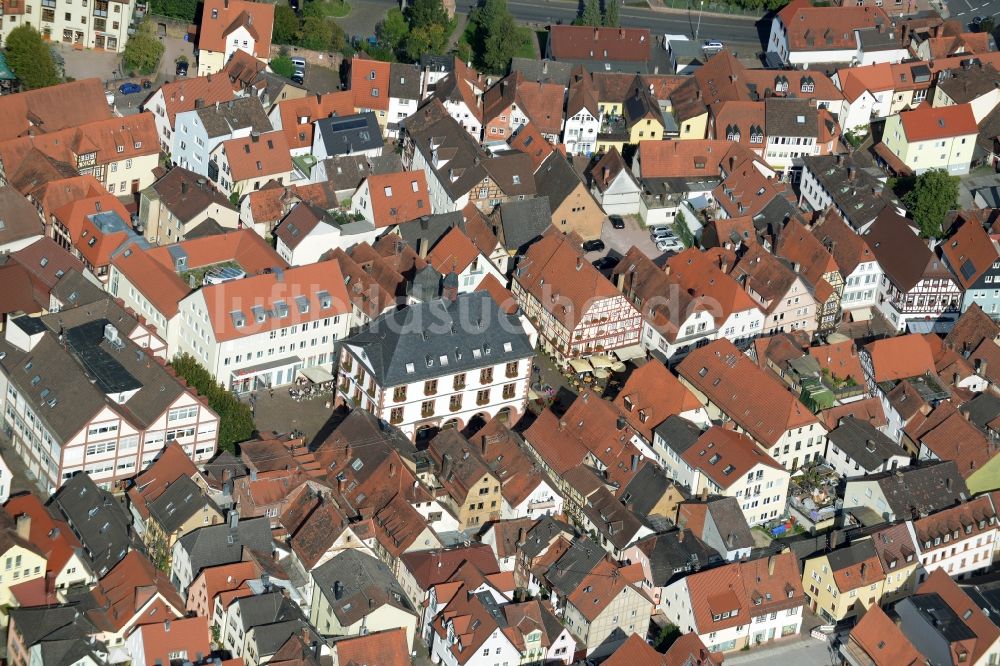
(523,222)
(343,135)
(543,71)
(426,340)
(850,181)
(271,637)
(432,126)
(556,179)
(241,113)
(267,608)
(675,553)
(437,63)
(982,409)
(426,284)
(790,117)
(921,488)
(541,533)
(678,433)
(356,584)
(430,228)
(863,443)
(177,503)
(187,194)
(938,614)
(575,564)
(97,519)
(730,522)
(380,439)
(851,555)
(346,172)
(62,633)
(645,489)
(220,544)
(902,255)
(404,81)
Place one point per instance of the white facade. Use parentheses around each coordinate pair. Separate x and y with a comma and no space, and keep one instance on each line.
(580,133)
(846,466)
(861,287)
(102,26)
(448,397)
(400,108)
(778,43)
(465,117)
(441,201)
(322,239)
(622,195)
(700,325)
(784,152)
(227,181)
(266,358)
(496,649)
(957,554)
(191,145)
(867,107)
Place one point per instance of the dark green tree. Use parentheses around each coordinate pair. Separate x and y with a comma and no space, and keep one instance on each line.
(30,58)
(591,13)
(143,50)
(282,66)
(235,418)
(186,10)
(286,24)
(422,13)
(934,193)
(493,36)
(320,34)
(611,13)
(392,30)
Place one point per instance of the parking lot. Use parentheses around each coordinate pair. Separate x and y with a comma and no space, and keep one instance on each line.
(617,242)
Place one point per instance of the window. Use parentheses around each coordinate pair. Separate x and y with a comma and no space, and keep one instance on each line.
(399,394)
(483,397)
(486,376)
(396,415)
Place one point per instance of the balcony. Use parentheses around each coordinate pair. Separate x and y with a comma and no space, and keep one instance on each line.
(483,400)
(512,372)
(430,390)
(426,412)
(395,419)
(459,384)
(455,406)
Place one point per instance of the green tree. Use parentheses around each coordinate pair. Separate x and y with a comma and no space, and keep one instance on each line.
(422,13)
(392,30)
(186,10)
(934,194)
(493,36)
(282,66)
(319,34)
(30,58)
(611,13)
(144,49)
(235,418)
(286,24)
(428,39)
(591,13)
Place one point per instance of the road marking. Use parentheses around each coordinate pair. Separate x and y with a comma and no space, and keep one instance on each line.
(968,3)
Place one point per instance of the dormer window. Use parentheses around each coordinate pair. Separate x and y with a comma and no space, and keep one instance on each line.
(215,13)
(120,149)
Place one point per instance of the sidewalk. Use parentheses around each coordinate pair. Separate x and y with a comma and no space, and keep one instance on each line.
(657,6)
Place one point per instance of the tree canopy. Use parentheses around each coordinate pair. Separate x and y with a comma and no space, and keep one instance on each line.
(30,58)
(934,193)
(591,13)
(611,13)
(186,10)
(282,66)
(143,50)
(494,36)
(286,25)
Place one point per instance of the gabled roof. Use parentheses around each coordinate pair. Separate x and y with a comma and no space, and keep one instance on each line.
(398,197)
(949,435)
(811,28)
(172,464)
(766,413)
(97,519)
(53,108)
(650,395)
(222,17)
(356,585)
(876,639)
(970,251)
(345,135)
(127,595)
(258,156)
(682,159)
(186,194)
(901,357)
(370,81)
(903,256)
(972,328)
(983,627)
(929,123)
(726,456)
(921,488)
(849,249)
(570,42)
(698,272)
(298,115)
(386,648)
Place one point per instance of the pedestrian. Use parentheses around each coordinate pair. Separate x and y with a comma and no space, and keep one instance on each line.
(271,389)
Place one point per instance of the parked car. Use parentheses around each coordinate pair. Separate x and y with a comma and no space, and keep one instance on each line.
(129,88)
(299,63)
(616,221)
(712,46)
(299,77)
(595,245)
(182,68)
(605,263)
(672,244)
(662,232)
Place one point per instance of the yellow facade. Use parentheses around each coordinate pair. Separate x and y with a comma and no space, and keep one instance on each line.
(19,565)
(827,600)
(482,504)
(693,128)
(646,129)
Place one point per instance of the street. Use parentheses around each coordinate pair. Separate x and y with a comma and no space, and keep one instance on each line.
(964,11)
(741,31)
(806,651)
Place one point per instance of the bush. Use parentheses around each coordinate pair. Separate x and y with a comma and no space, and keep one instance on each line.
(282,66)
(186,10)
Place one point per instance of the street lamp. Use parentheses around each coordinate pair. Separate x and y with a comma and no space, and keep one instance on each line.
(701,8)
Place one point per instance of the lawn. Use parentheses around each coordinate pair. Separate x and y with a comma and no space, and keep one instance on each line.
(334,8)
(526,40)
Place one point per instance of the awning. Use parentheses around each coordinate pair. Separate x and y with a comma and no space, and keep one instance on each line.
(921,327)
(316,375)
(602,373)
(861,314)
(580,365)
(264,367)
(630,352)
(601,361)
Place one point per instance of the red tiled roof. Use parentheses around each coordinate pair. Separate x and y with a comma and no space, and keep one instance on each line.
(697,272)
(962,518)
(454,252)
(298,115)
(884,644)
(650,395)
(386,648)
(572,42)
(45,110)
(928,123)
(189,635)
(500,293)
(370,83)
(530,141)
(722,372)
(985,629)
(398,197)
(181,95)
(266,289)
(134,593)
(726,456)
(172,464)
(949,436)
(810,28)
(679,159)
(221,17)
(258,156)
(900,357)
(841,359)
(52,538)
(970,252)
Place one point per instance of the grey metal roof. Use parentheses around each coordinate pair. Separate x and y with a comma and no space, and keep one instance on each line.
(97,519)
(226,117)
(863,443)
(523,222)
(790,117)
(438,337)
(177,503)
(356,584)
(343,135)
(544,71)
(939,615)
(851,555)
(220,544)
(675,553)
(921,488)
(854,183)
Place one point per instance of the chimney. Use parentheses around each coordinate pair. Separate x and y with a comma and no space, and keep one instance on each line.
(579,263)
(851,173)
(521,534)
(255,136)
(704,494)
(166,626)
(392,470)
(184,187)
(947,484)
(635,462)
(680,535)
(545,67)
(864,570)
(338,590)
(23,526)
(771,561)
(225,4)
(446,464)
(234,519)
(620,423)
